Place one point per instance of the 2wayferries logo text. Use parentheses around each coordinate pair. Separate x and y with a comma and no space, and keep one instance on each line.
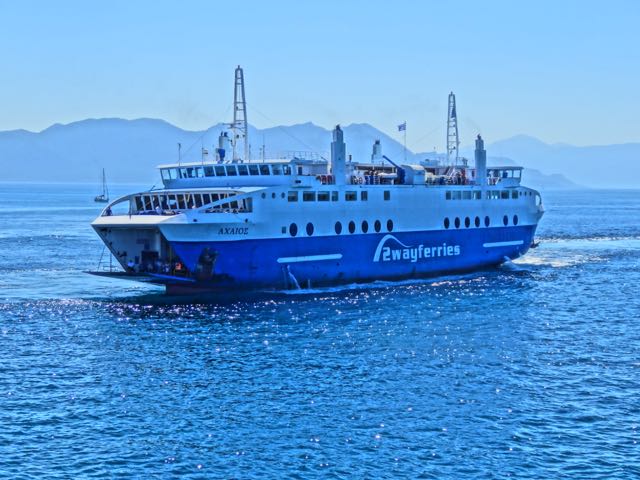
(402,252)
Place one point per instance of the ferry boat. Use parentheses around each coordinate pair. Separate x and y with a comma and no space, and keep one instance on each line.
(302,221)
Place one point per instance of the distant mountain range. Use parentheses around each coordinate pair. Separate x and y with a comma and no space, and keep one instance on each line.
(130,150)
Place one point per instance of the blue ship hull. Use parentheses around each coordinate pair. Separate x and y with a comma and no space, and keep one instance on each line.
(318,261)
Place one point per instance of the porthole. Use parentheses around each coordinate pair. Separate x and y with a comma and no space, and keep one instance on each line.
(389,225)
(282,195)
(477,222)
(487,221)
(264,195)
(467,222)
(352,227)
(365,226)
(293,229)
(505,220)
(515,219)
(273,195)
(377,226)
(309,229)
(338,228)
(457,222)
(446,222)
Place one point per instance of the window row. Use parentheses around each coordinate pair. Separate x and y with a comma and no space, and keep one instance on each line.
(477,194)
(476,222)
(179,201)
(225,170)
(325,196)
(351,227)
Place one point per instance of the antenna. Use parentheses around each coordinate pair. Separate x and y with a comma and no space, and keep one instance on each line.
(239,126)
(452,130)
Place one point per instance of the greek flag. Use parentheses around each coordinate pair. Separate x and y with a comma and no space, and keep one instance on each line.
(402,127)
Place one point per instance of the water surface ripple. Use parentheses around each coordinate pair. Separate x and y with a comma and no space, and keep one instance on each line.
(526,371)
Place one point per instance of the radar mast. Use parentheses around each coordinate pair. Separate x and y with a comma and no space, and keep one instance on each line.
(239,127)
(452,130)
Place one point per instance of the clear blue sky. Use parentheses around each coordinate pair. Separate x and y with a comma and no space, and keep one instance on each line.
(563,71)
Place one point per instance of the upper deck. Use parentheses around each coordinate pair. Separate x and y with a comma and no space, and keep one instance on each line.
(307,172)
(240,174)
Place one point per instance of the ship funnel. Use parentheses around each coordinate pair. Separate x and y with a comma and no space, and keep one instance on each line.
(224,143)
(481,162)
(376,153)
(338,156)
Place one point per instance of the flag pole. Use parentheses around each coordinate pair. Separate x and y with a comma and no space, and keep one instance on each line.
(405,141)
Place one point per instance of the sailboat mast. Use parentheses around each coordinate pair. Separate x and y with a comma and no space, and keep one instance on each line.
(105,189)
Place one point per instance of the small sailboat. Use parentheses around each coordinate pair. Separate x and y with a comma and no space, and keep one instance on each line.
(104,197)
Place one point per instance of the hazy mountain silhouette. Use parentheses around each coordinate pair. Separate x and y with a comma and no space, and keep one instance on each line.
(599,166)
(131,149)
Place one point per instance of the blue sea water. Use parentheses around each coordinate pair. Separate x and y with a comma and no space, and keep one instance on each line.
(531,370)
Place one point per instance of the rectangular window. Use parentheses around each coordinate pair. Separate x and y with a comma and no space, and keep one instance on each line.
(253,170)
(191,172)
(208,171)
(514,194)
(323,196)
(457,195)
(181,203)
(477,194)
(139,204)
(308,196)
(364,195)
(199,172)
(334,196)
(387,195)
(231,170)
(183,173)
(286,169)
(220,172)
(448,195)
(206,198)
(504,194)
(243,170)
(264,169)
(283,229)
(276,170)
(198,200)
(466,195)
(292,196)
(350,196)
(165,174)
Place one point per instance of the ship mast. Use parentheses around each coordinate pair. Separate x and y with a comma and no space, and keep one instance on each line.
(452,130)
(239,127)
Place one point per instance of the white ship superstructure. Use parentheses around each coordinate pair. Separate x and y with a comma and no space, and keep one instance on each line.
(238,223)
